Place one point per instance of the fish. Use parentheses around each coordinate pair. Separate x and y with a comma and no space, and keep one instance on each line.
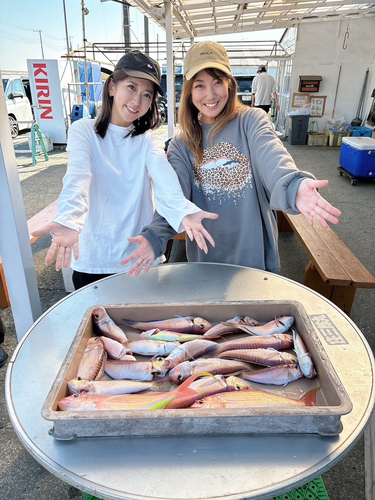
(154,401)
(214,366)
(116,350)
(304,357)
(169,336)
(148,347)
(92,364)
(184,352)
(206,386)
(106,326)
(278,325)
(276,341)
(267,357)
(187,324)
(115,387)
(133,370)
(250,399)
(274,375)
(230,326)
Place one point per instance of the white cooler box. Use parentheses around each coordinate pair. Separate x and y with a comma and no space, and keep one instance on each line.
(47,142)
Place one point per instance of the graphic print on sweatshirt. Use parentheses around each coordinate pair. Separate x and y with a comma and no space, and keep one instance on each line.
(224,173)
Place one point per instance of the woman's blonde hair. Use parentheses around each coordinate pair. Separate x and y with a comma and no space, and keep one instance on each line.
(188,115)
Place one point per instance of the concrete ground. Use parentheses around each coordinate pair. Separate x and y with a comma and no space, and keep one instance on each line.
(21,477)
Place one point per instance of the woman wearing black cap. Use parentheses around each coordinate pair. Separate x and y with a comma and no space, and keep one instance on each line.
(113,161)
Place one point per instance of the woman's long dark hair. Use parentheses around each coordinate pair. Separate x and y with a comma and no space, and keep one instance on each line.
(148,121)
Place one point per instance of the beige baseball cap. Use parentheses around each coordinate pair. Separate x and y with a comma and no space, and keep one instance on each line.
(205,55)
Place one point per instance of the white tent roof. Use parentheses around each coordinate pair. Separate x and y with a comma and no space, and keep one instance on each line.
(195,18)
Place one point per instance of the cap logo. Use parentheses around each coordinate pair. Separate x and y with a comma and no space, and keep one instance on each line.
(150,66)
(208,53)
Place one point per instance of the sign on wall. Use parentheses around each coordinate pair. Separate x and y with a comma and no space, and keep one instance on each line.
(318,104)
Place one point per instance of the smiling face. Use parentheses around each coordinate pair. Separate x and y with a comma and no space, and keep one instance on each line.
(132,99)
(209,95)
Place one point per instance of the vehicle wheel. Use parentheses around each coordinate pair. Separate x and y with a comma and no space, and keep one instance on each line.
(13,127)
(353,183)
(340,173)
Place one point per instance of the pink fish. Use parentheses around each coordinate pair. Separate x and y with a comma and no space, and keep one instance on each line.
(155,401)
(274,375)
(251,399)
(267,357)
(92,364)
(187,324)
(278,325)
(184,352)
(276,341)
(303,356)
(106,326)
(215,366)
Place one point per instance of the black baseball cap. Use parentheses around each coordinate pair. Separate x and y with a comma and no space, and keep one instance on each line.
(139,65)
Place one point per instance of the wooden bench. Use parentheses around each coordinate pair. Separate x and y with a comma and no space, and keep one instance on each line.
(36,222)
(333,271)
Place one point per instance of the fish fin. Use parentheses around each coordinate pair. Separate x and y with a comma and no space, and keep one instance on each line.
(309,398)
(191,379)
(162,386)
(128,321)
(162,404)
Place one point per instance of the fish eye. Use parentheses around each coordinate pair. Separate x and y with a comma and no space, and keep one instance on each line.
(79,378)
(97,316)
(296,367)
(76,396)
(202,326)
(180,376)
(237,387)
(160,359)
(200,401)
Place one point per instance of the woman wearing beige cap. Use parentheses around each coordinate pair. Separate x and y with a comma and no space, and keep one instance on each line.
(230,161)
(106,196)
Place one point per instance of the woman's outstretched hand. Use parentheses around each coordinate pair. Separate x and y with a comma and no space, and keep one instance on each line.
(194,229)
(143,256)
(64,240)
(313,206)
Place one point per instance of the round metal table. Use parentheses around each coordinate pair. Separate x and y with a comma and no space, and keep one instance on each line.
(186,467)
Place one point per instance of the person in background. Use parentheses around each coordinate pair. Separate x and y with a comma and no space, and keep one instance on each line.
(113,162)
(229,160)
(3,354)
(263,90)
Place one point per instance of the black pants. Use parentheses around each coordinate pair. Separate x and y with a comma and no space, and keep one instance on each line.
(82,279)
(266,107)
(2,332)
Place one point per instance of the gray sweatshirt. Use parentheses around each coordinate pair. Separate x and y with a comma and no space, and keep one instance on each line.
(245,175)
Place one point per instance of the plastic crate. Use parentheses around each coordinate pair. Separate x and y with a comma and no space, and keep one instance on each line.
(360,131)
(314,490)
(317,139)
(335,138)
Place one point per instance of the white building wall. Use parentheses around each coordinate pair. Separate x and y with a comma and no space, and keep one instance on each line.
(320,52)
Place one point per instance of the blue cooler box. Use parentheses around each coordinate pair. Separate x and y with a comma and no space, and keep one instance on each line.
(357,156)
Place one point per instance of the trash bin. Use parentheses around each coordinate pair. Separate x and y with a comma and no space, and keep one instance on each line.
(298,125)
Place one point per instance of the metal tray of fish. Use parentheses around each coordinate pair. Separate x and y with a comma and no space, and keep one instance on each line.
(324,418)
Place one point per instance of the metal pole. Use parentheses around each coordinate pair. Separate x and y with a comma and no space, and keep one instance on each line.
(147,45)
(170,68)
(66,29)
(126,24)
(85,11)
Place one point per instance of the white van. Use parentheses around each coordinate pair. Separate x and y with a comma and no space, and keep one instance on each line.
(18,104)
